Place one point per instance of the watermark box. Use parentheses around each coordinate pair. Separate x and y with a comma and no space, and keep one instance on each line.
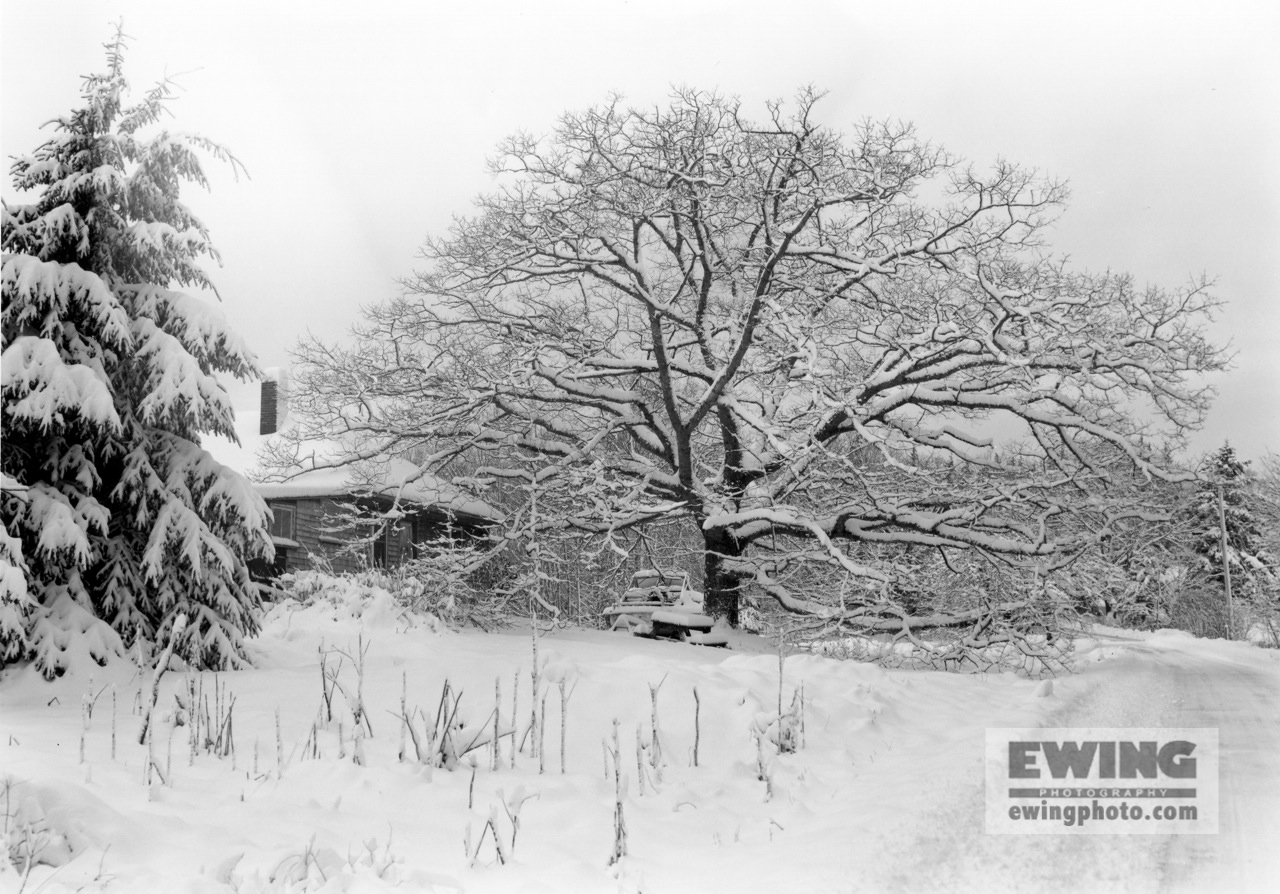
(1102,781)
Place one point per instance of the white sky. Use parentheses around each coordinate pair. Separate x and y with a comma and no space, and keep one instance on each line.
(365,126)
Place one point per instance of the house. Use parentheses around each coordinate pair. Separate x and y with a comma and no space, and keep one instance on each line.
(375,513)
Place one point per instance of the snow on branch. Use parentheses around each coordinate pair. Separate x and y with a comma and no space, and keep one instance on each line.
(770,330)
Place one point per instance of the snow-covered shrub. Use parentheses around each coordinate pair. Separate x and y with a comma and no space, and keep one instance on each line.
(1264,631)
(375,598)
(111,508)
(466,584)
(751,619)
(850,648)
(1031,655)
(1199,610)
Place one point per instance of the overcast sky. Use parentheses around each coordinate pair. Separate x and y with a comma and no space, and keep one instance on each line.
(365,126)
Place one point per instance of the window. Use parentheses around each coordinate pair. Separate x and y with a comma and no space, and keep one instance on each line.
(282,520)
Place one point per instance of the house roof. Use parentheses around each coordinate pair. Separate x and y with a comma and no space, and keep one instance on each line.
(392,477)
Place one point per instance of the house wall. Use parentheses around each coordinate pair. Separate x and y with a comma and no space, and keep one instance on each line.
(319,544)
(317,541)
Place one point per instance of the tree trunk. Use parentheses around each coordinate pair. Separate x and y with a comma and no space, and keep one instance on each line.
(721,585)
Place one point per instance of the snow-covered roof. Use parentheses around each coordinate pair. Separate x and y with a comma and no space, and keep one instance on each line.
(395,478)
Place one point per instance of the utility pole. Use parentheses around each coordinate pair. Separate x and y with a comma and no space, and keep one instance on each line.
(1226,562)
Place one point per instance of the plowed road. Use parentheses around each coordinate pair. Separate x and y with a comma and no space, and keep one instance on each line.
(1163,682)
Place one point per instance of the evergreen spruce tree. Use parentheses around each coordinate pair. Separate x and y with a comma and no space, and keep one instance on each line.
(1252,566)
(116,520)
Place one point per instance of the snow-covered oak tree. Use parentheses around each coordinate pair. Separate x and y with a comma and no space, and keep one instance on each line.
(833,351)
(116,521)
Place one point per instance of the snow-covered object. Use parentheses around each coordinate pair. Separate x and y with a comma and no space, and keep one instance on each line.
(318,601)
(709,638)
(559,669)
(651,591)
(116,518)
(682,619)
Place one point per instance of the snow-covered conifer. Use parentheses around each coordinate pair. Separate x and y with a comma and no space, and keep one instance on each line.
(1252,566)
(116,520)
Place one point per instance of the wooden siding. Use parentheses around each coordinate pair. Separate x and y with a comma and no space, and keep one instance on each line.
(315,519)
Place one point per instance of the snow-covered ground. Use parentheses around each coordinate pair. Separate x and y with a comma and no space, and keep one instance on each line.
(884,794)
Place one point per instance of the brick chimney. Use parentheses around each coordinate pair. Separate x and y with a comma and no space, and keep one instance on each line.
(275,405)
